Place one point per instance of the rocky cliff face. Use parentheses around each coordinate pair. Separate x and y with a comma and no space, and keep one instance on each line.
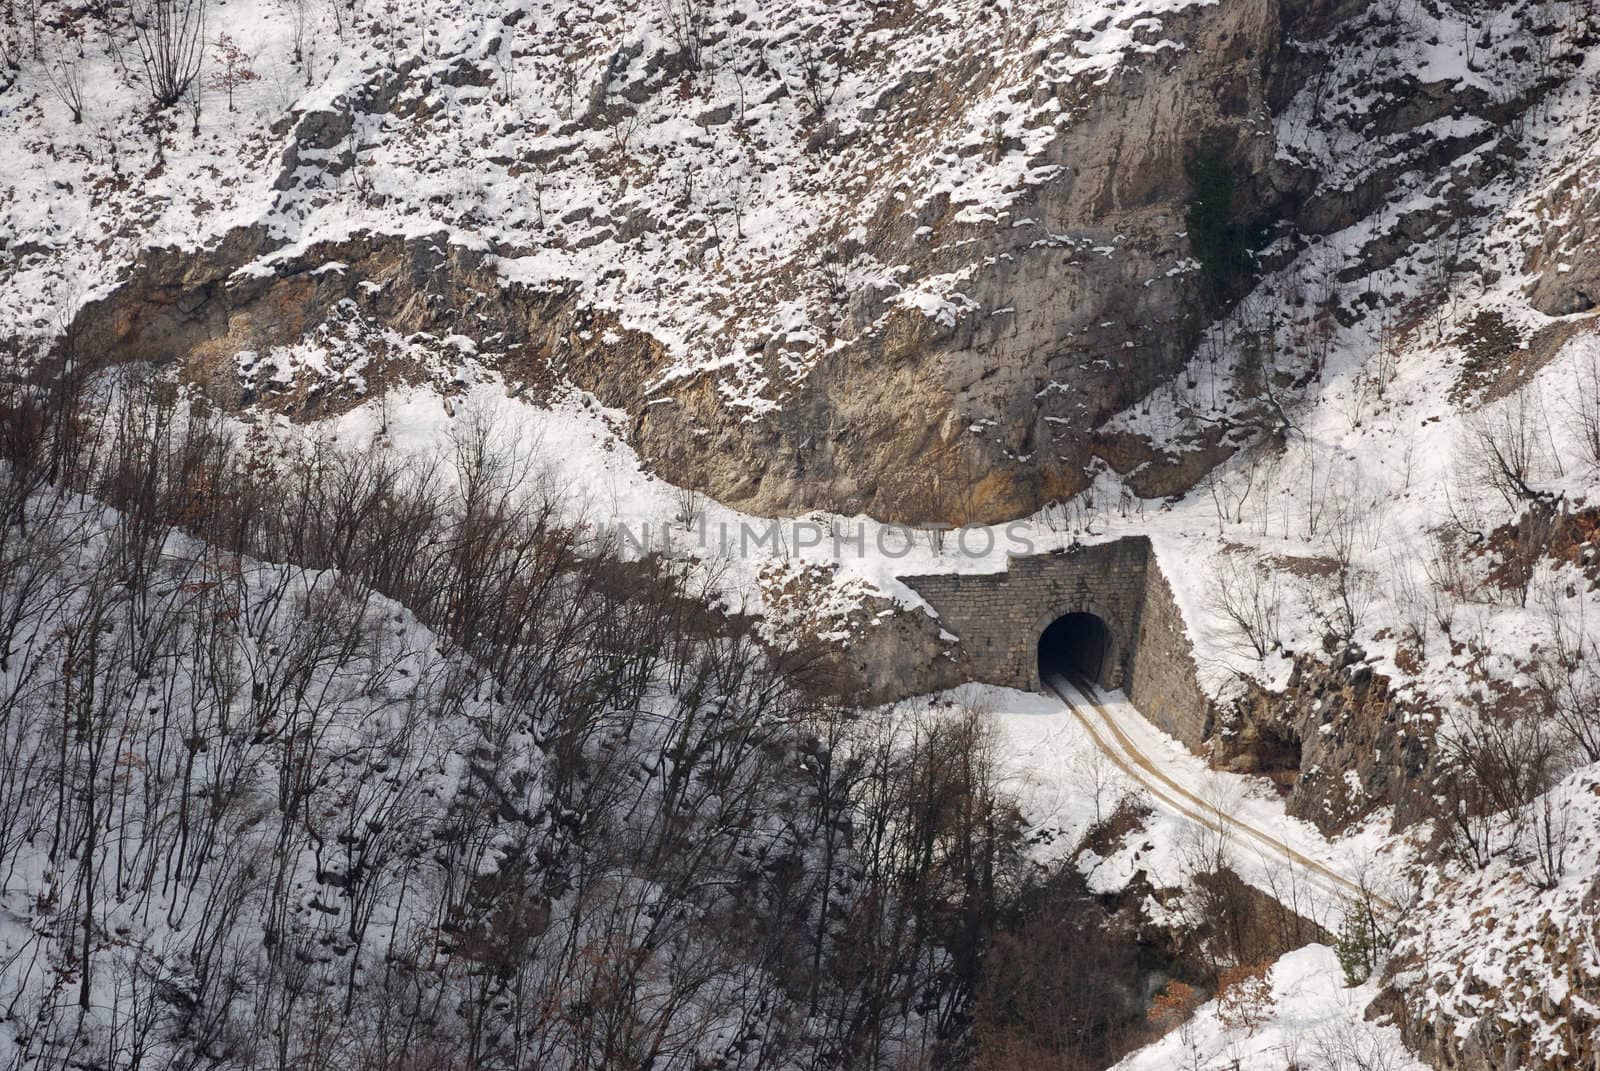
(1006,268)
(1066,307)
(867,258)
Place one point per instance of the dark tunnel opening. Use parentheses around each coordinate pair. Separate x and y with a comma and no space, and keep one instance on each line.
(1075,645)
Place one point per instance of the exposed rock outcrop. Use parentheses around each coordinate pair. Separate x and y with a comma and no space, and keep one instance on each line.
(1496,967)
(1065,307)
(943,354)
(1337,737)
(204,310)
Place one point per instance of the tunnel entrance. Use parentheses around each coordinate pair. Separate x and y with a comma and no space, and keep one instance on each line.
(1104,609)
(1075,645)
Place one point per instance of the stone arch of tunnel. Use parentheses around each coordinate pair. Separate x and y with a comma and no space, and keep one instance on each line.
(1105,608)
(1077,645)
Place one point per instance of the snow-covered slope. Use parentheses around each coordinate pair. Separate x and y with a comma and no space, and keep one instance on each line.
(1299,1015)
(1507,959)
(945,261)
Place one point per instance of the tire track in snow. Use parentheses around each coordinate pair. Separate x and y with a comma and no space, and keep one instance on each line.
(1109,738)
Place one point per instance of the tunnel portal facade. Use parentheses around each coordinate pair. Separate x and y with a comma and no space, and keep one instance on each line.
(1104,611)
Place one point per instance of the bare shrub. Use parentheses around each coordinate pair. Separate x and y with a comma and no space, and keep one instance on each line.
(1450,571)
(1583,407)
(1506,449)
(170,35)
(1415,599)
(1520,547)
(66,81)
(691,506)
(1499,757)
(1347,1045)
(819,77)
(687,22)
(1173,1006)
(1231,491)
(1568,676)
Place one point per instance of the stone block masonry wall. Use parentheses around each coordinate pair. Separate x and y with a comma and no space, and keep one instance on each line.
(1164,685)
(1000,616)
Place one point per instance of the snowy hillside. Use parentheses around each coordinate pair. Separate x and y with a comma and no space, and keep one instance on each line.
(736,221)
(356,355)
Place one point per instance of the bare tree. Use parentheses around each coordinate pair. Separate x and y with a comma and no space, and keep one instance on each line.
(1351,529)
(11,47)
(1231,491)
(299,13)
(1316,476)
(402,766)
(344,13)
(232,67)
(1246,597)
(192,99)
(19,32)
